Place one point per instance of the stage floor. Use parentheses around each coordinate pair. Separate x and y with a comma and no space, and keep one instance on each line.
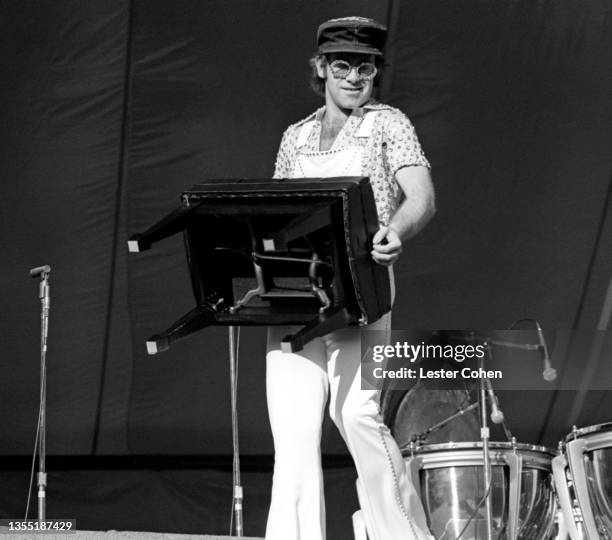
(119,535)
(181,504)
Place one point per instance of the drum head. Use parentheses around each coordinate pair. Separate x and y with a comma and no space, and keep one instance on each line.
(409,414)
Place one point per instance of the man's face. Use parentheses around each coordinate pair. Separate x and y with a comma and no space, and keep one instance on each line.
(349,92)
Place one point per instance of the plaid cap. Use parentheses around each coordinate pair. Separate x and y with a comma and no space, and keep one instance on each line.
(351,34)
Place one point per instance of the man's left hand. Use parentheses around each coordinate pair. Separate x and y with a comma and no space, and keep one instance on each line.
(386,247)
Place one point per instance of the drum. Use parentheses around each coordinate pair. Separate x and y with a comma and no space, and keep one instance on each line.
(411,414)
(583,473)
(450,476)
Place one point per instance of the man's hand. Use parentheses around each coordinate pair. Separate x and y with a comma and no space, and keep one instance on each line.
(386,247)
(413,213)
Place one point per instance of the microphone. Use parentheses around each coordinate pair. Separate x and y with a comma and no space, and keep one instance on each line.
(497,416)
(549,373)
(35,272)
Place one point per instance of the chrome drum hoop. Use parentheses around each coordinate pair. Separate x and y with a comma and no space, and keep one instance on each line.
(584,472)
(589,431)
(450,478)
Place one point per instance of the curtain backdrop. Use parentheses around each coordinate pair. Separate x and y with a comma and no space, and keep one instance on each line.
(112,108)
(512,103)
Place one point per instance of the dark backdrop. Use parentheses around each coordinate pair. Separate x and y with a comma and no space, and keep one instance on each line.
(111,109)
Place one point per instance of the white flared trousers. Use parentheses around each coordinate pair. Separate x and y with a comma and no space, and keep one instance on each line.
(298,385)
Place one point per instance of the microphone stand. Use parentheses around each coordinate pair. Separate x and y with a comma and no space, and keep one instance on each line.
(484,429)
(484,435)
(45,302)
(237,488)
(421,437)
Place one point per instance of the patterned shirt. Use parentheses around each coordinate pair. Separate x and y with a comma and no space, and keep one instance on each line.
(393,144)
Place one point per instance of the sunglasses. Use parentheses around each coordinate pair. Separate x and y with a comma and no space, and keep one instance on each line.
(341,68)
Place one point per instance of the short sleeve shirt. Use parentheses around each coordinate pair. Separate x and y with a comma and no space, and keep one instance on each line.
(392,144)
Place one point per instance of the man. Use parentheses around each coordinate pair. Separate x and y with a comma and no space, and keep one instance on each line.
(352,135)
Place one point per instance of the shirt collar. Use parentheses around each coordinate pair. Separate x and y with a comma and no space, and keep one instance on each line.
(371,104)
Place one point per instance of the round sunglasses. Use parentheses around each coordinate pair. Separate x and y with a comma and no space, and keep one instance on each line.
(341,69)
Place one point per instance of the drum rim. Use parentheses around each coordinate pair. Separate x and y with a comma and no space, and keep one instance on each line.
(476,445)
(588,430)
